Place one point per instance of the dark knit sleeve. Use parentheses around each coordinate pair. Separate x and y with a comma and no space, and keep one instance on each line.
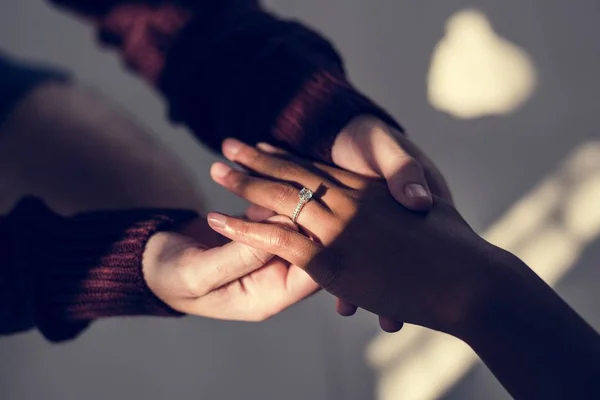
(228,68)
(73,270)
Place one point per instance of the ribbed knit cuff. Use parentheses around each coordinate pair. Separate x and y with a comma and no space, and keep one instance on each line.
(323,107)
(227,68)
(15,304)
(88,266)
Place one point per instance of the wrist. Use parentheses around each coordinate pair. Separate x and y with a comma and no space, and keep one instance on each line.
(504,289)
(87,266)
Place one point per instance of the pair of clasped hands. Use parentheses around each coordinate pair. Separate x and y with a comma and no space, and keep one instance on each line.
(399,250)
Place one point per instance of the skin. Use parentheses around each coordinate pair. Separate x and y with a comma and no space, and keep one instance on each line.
(194,270)
(429,269)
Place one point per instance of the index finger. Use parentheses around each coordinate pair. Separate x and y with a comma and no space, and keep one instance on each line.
(275,239)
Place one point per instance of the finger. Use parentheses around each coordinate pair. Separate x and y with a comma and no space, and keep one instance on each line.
(258,296)
(390,325)
(371,146)
(225,264)
(344,308)
(272,166)
(277,196)
(403,173)
(257,213)
(298,285)
(275,239)
(339,176)
(222,265)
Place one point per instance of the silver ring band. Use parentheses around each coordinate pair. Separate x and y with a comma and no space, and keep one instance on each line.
(305,195)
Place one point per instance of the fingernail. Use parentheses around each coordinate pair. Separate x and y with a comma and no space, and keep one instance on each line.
(220,170)
(415,190)
(231,147)
(266,147)
(216,221)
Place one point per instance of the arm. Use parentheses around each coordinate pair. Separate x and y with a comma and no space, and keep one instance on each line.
(228,68)
(59,273)
(55,141)
(532,341)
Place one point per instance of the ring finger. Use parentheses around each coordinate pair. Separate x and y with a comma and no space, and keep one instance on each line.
(277,196)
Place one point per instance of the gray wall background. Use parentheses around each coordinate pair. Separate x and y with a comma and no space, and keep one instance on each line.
(308,352)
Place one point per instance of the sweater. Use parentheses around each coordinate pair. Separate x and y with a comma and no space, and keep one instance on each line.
(227,68)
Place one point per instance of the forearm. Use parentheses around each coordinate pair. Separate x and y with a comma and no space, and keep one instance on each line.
(231,69)
(534,343)
(70,147)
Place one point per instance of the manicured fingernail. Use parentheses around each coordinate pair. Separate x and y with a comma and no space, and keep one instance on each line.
(415,190)
(216,221)
(231,147)
(219,170)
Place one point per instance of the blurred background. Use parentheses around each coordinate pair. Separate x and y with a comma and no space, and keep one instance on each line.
(503,95)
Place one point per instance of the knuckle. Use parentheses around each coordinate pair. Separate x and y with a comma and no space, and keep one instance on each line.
(410,165)
(286,169)
(241,228)
(280,238)
(283,194)
(249,155)
(238,181)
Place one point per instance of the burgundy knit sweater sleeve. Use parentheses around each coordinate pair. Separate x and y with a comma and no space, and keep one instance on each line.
(60,273)
(228,68)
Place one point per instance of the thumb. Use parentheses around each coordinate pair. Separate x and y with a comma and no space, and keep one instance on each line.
(370,147)
(404,174)
(233,260)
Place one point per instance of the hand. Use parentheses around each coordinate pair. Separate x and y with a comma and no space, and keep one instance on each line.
(228,280)
(424,269)
(370,147)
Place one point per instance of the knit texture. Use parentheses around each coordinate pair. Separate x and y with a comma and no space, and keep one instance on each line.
(227,68)
(15,306)
(88,266)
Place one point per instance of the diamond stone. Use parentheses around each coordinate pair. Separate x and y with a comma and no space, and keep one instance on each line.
(305,194)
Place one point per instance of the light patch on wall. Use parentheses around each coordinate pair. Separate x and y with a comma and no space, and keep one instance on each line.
(548,228)
(475,73)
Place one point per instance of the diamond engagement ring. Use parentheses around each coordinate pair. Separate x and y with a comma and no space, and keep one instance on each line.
(305,196)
